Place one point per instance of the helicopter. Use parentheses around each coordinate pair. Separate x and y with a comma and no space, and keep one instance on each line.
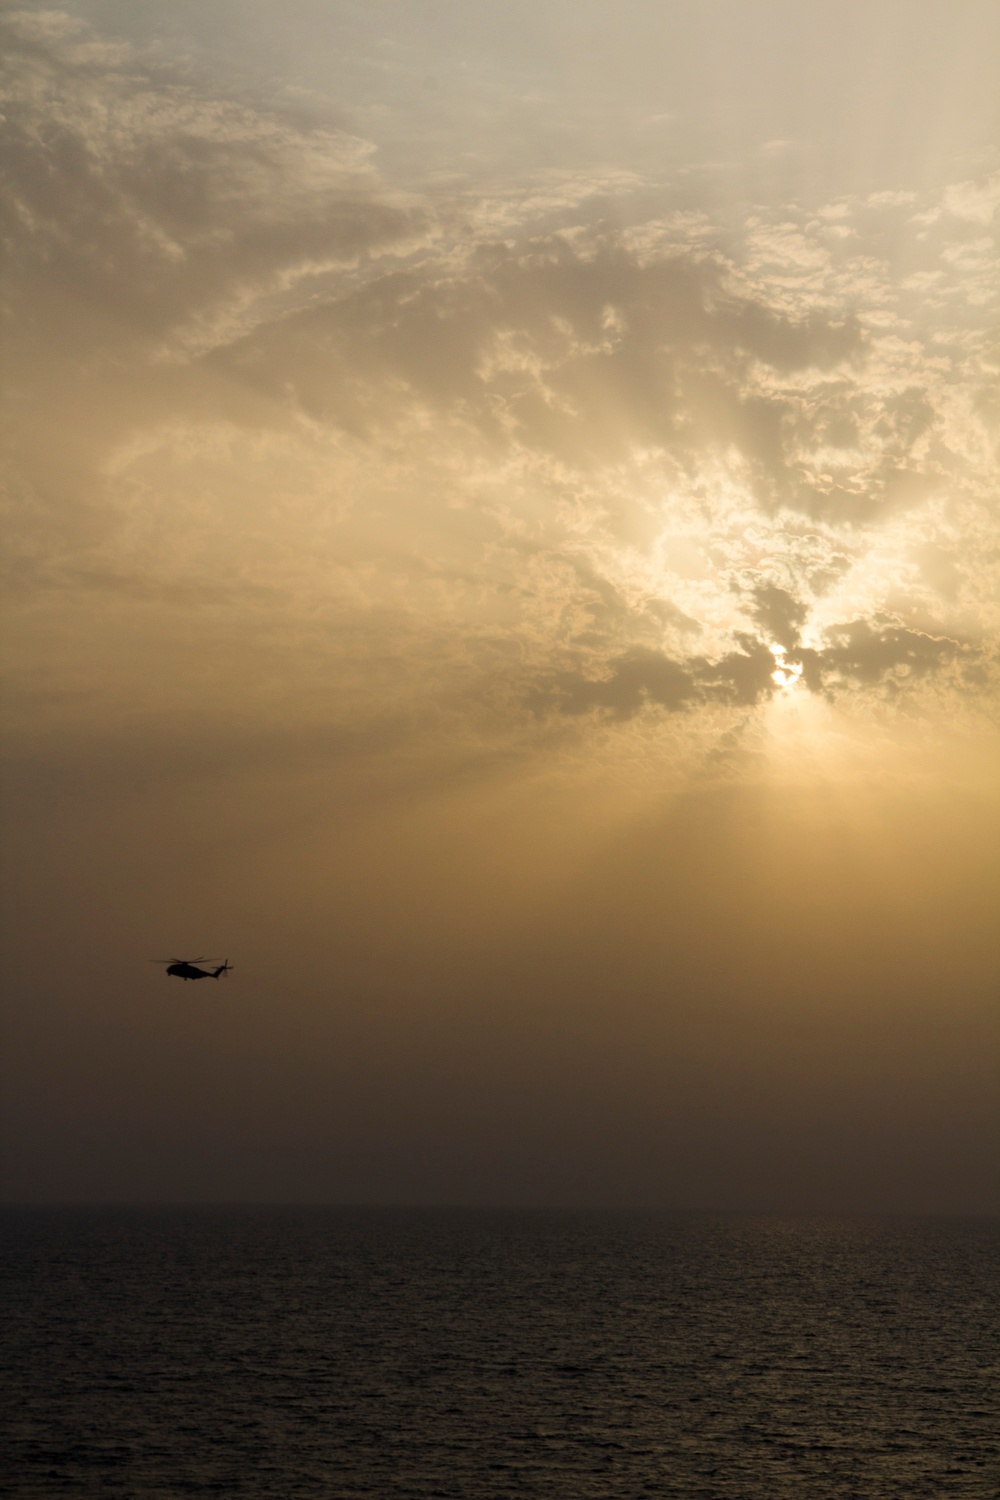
(187,968)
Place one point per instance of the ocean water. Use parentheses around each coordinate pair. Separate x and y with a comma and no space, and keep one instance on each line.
(483,1354)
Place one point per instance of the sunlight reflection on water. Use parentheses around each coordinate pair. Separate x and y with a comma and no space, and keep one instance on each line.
(291,1352)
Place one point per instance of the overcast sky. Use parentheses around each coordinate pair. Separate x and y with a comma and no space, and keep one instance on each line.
(502,544)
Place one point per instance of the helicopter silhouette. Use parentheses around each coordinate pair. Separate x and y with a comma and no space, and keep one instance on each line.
(187,968)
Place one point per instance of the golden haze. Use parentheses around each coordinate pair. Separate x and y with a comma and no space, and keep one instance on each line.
(502,543)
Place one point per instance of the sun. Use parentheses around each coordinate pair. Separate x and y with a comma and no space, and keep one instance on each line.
(786,673)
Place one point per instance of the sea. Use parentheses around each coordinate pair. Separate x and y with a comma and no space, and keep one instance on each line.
(499,1354)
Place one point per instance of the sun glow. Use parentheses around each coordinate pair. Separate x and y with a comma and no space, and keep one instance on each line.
(786,673)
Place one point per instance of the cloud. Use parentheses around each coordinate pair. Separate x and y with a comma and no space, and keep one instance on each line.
(136,201)
(527,453)
(636,678)
(642,678)
(876,651)
(778,614)
(862,653)
(570,347)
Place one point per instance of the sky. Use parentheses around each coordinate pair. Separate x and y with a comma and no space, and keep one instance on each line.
(501,543)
